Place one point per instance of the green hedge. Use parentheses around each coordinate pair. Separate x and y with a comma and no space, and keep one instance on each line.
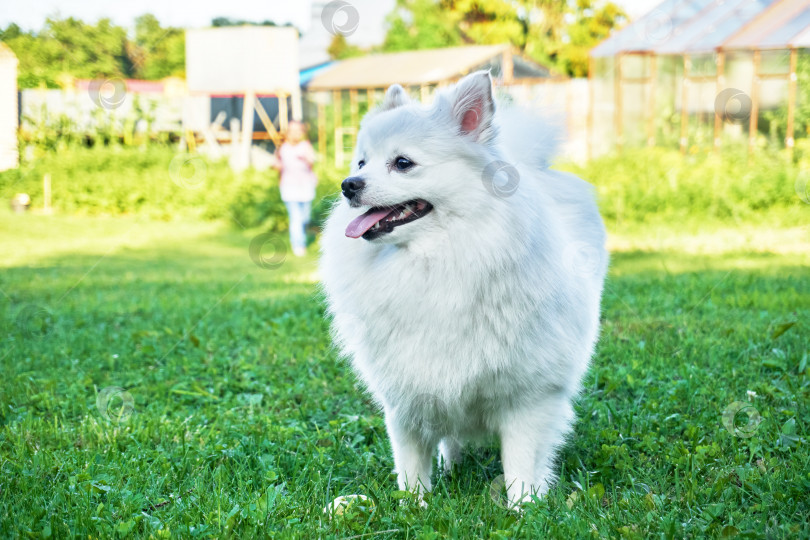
(158,182)
(657,185)
(638,186)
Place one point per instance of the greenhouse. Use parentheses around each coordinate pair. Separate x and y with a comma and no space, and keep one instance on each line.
(703,73)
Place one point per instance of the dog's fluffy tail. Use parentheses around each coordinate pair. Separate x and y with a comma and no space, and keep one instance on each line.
(529,137)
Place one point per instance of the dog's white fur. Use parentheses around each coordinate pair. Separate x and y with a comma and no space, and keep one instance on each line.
(481,317)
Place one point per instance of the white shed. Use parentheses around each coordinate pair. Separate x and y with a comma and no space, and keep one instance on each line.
(9,156)
(245,62)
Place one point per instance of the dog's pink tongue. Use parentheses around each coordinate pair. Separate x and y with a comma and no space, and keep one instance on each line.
(360,225)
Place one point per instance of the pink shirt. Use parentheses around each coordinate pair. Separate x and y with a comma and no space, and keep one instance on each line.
(297,178)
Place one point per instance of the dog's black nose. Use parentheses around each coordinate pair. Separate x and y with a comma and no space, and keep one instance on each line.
(352,186)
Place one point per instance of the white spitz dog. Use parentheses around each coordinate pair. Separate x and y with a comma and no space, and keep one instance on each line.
(468,304)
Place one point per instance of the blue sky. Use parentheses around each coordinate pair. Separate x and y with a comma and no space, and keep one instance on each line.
(30,14)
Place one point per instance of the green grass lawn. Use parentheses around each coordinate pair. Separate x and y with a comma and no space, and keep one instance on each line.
(157,382)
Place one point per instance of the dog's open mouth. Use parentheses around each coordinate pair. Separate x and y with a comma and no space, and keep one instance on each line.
(382,220)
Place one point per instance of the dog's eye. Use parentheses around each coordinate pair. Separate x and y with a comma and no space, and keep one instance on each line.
(361,163)
(402,163)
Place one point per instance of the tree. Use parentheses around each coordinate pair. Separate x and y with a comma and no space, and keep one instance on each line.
(157,52)
(592,24)
(421,24)
(489,22)
(339,48)
(11,32)
(557,33)
(66,49)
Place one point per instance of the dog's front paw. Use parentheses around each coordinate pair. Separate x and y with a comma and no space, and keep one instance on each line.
(449,454)
(520,495)
(514,496)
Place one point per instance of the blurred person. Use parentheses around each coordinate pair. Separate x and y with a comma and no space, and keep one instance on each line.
(294,159)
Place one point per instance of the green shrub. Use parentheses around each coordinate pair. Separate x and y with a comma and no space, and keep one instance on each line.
(646,185)
(639,186)
(158,182)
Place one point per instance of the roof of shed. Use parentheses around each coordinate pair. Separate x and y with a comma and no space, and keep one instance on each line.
(409,68)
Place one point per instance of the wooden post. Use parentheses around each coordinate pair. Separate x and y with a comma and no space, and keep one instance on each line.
(337,104)
(46,192)
(617,84)
(651,101)
(721,82)
(191,141)
(234,158)
(591,105)
(684,102)
(283,115)
(247,130)
(753,121)
(569,114)
(353,110)
(337,108)
(297,107)
(370,96)
(508,68)
(791,99)
(321,97)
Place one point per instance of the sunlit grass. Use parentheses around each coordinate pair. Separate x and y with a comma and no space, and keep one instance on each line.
(244,422)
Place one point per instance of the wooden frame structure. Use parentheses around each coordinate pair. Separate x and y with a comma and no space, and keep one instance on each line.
(793,78)
(783,25)
(687,80)
(357,81)
(790,77)
(247,61)
(369,96)
(619,80)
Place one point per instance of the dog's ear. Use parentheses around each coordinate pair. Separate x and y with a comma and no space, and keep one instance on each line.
(395,97)
(473,106)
